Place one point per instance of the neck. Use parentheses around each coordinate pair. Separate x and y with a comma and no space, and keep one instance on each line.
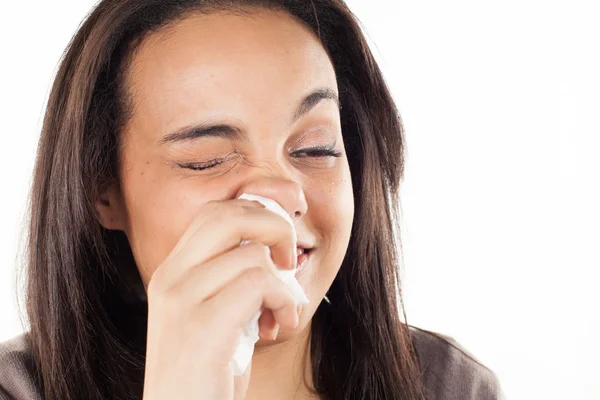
(282,370)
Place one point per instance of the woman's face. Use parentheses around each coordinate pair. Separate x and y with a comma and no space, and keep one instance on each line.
(252,73)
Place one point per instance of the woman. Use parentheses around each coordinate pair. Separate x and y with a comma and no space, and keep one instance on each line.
(162,113)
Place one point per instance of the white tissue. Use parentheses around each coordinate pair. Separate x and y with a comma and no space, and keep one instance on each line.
(249,336)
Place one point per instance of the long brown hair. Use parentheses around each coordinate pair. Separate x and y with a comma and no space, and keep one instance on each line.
(88,323)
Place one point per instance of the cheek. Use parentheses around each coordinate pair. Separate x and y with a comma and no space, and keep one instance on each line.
(160,211)
(331,209)
(334,211)
(333,203)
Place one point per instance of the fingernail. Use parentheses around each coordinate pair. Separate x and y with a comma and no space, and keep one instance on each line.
(275,331)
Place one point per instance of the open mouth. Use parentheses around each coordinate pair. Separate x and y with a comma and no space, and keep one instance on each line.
(303,255)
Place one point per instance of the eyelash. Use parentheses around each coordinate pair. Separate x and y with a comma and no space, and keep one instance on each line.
(316,152)
(320,152)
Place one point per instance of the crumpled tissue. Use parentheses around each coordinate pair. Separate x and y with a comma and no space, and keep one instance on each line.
(249,336)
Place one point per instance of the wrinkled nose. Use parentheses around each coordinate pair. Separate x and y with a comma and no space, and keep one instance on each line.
(287,193)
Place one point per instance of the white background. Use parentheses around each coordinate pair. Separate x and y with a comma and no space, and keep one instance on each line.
(501,198)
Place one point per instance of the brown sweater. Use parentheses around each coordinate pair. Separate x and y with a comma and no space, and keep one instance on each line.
(449,371)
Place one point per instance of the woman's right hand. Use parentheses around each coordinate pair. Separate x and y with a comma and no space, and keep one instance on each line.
(206,290)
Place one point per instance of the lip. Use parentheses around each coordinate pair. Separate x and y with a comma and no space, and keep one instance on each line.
(303,260)
(304,244)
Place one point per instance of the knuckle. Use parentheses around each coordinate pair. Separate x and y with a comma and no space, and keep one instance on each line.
(215,208)
(154,289)
(231,209)
(167,304)
(160,295)
(158,283)
(212,205)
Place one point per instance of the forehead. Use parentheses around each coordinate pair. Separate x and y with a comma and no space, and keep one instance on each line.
(224,64)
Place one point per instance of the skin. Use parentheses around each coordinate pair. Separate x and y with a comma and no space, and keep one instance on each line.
(251,72)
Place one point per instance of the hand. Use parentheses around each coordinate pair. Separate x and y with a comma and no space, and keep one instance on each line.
(206,290)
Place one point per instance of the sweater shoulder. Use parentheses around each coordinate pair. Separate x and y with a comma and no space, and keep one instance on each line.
(450,371)
(16,370)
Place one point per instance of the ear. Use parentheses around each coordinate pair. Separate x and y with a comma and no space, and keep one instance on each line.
(110,208)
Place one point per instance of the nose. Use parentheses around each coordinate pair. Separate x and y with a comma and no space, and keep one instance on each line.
(287,193)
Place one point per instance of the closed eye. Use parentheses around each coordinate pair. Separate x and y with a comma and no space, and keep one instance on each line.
(201,167)
(317,152)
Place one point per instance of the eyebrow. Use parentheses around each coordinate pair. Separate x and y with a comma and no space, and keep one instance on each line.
(233,133)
